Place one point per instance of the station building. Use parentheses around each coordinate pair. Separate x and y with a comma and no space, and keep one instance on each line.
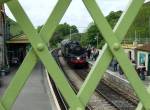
(2,37)
(16,42)
(17,47)
(143,56)
(139,54)
(130,51)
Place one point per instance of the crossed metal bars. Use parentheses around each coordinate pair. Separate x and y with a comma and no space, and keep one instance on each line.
(40,51)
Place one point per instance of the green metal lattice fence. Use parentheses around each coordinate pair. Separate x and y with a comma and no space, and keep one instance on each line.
(40,51)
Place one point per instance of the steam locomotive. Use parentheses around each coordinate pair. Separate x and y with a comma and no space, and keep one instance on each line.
(74,53)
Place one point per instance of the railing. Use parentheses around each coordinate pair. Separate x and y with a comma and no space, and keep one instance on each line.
(40,51)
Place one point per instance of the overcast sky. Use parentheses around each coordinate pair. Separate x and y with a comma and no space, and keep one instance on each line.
(76,14)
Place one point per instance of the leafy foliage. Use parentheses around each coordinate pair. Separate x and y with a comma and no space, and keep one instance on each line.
(61,31)
(93,32)
(141,25)
(113,17)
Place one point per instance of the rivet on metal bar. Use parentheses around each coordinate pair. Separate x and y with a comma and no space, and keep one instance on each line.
(79,108)
(40,47)
(116,46)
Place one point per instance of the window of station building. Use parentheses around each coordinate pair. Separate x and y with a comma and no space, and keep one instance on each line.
(0,49)
(142,58)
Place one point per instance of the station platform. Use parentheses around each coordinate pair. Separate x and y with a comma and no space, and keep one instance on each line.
(122,77)
(120,83)
(35,94)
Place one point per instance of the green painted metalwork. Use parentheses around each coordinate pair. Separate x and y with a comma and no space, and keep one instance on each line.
(111,38)
(40,51)
(34,54)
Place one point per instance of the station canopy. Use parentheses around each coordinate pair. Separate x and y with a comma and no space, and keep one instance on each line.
(145,47)
(18,39)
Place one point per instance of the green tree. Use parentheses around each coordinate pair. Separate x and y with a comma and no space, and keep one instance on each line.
(93,32)
(113,18)
(61,31)
(90,37)
(141,25)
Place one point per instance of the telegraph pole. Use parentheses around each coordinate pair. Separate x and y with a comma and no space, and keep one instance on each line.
(96,38)
(149,26)
(70,33)
(97,41)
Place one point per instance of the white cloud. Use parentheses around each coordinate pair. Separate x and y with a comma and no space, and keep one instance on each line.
(76,14)
(38,12)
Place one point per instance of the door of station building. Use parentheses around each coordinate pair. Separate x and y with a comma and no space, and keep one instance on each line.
(149,64)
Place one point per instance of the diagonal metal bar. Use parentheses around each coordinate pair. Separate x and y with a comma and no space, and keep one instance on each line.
(106,48)
(140,106)
(54,19)
(47,59)
(103,61)
(2,107)
(118,52)
(19,80)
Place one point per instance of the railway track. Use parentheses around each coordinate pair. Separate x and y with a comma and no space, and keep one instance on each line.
(102,99)
(113,97)
(60,98)
(62,103)
(97,102)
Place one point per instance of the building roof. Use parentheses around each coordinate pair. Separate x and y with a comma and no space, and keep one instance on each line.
(131,46)
(145,47)
(128,46)
(18,39)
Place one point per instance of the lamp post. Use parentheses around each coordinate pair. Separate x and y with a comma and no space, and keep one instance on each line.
(70,33)
(96,38)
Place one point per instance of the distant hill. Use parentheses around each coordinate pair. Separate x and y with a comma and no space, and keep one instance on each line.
(141,25)
(139,30)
